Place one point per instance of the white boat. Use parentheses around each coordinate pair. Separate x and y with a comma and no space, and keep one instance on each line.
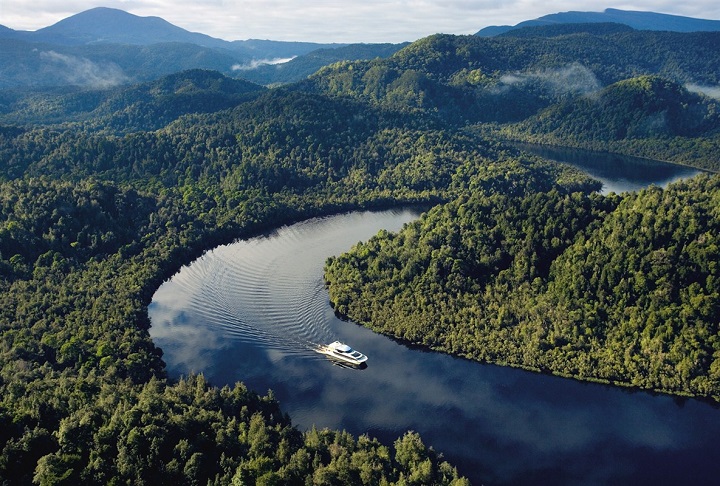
(343,352)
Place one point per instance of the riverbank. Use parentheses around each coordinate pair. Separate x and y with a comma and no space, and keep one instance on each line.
(568,284)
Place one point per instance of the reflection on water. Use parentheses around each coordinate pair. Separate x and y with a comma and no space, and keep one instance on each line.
(266,291)
(251,311)
(618,173)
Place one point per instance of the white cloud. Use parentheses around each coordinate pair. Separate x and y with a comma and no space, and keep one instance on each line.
(335,21)
(260,62)
(711,91)
(82,71)
(573,78)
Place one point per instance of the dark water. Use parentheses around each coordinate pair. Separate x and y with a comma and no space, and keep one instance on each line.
(618,173)
(251,312)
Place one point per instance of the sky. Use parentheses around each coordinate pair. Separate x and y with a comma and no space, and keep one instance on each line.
(343,21)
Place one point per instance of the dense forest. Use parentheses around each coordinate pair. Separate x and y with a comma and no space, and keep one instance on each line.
(104,193)
(91,222)
(646,116)
(544,88)
(619,289)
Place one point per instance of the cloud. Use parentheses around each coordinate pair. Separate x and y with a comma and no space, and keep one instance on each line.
(573,78)
(255,63)
(711,91)
(84,72)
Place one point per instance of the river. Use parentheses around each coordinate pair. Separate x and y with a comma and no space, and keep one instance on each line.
(251,311)
(618,173)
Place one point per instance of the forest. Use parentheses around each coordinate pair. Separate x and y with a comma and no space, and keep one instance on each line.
(617,289)
(92,222)
(105,193)
(592,86)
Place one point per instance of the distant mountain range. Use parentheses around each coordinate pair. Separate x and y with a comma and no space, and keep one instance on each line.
(103,26)
(636,20)
(105,47)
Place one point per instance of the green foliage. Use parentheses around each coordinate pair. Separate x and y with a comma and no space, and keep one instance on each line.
(547,89)
(147,106)
(521,265)
(44,219)
(644,107)
(84,246)
(609,57)
(600,288)
(644,116)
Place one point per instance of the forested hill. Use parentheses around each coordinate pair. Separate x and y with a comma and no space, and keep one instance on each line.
(614,289)
(303,66)
(471,65)
(647,116)
(642,107)
(139,107)
(465,80)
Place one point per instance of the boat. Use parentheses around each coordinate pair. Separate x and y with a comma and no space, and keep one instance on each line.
(343,352)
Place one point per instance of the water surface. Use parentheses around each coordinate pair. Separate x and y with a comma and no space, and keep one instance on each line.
(618,173)
(251,312)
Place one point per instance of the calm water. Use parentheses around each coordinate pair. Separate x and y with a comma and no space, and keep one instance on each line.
(618,173)
(251,312)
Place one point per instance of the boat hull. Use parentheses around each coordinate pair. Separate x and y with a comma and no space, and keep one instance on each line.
(341,352)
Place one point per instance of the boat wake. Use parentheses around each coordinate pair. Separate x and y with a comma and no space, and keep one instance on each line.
(267,291)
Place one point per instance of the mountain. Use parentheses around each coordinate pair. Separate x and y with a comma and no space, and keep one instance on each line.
(105,46)
(503,79)
(636,20)
(303,66)
(6,31)
(33,65)
(109,25)
(113,26)
(636,108)
(555,30)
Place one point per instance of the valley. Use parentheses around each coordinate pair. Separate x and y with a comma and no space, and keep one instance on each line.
(122,163)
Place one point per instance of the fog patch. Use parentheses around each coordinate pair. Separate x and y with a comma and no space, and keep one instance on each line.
(256,63)
(710,91)
(84,72)
(572,79)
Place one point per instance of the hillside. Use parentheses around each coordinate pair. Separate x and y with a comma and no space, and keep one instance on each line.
(105,47)
(146,106)
(643,107)
(106,192)
(465,80)
(646,116)
(473,67)
(91,223)
(30,65)
(303,66)
(619,290)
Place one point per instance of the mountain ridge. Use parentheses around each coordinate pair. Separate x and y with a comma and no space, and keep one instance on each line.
(639,20)
(106,26)
(111,25)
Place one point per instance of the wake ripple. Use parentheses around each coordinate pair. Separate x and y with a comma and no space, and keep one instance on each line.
(269,290)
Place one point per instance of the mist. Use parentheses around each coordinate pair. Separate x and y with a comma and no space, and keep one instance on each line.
(710,91)
(572,79)
(84,72)
(255,63)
